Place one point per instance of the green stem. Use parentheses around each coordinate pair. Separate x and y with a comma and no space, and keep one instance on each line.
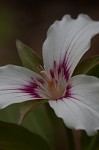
(94,143)
(70,138)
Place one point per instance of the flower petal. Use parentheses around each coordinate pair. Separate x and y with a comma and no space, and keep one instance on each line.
(81,109)
(67,41)
(16,85)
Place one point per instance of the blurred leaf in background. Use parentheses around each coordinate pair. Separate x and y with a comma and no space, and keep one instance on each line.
(37,121)
(90,66)
(14,137)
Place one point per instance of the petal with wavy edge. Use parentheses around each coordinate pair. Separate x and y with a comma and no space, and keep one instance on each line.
(67,41)
(81,109)
(16,85)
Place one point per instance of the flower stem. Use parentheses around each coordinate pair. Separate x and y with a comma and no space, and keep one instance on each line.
(70,138)
(94,143)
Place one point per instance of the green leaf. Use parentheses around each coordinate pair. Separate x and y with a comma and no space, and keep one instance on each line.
(86,140)
(28,57)
(86,66)
(28,107)
(14,137)
(94,71)
(59,130)
(90,143)
(37,121)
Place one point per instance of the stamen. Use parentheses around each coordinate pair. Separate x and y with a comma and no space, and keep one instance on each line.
(40,68)
(53,85)
(46,75)
(34,80)
(55,91)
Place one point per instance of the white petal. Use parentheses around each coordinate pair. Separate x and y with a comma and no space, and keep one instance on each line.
(13,83)
(81,109)
(69,39)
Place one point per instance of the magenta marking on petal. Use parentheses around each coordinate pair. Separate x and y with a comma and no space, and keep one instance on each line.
(66,71)
(67,94)
(59,68)
(68,91)
(63,67)
(52,73)
(40,80)
(55,64)
(30,89)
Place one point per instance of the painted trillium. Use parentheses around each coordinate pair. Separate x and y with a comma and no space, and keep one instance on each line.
(74,99)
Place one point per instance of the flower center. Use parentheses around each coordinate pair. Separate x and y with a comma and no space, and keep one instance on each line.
(56,91)
(54,87)
(53,84)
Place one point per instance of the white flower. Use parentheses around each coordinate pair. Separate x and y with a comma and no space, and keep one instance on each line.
(74,99)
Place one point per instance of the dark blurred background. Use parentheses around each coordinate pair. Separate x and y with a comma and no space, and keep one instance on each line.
(29,21)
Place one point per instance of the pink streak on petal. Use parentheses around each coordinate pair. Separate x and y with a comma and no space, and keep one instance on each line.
(52,73)
(30,89)
(40,80)
(67,94)
(68,91)
(63,67)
